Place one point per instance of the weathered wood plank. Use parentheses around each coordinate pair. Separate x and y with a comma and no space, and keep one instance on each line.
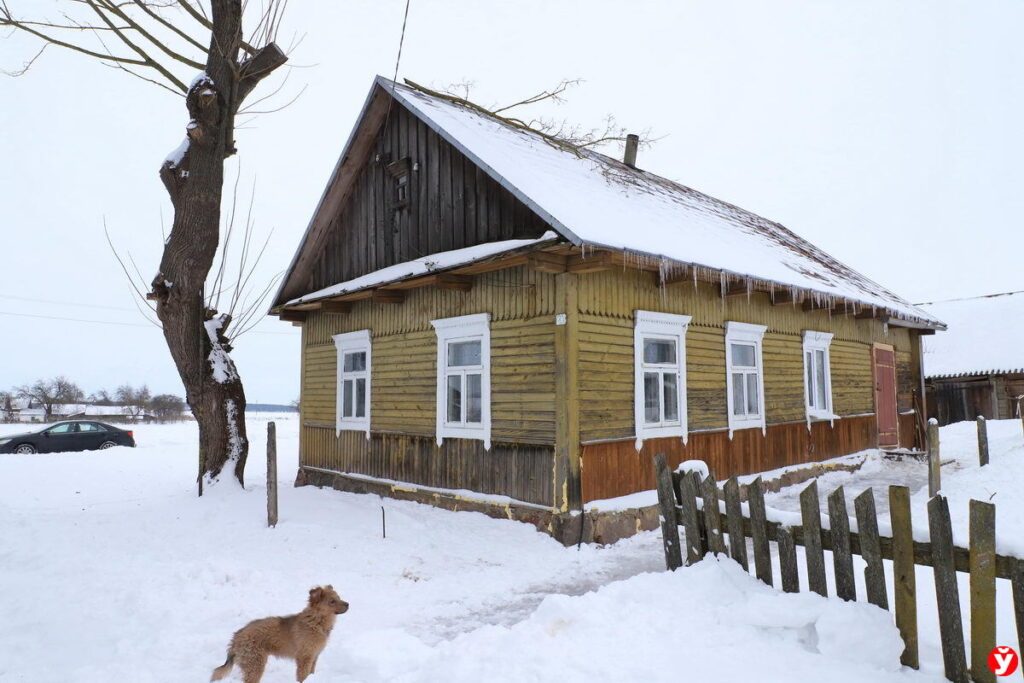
(685,485)
(934,458)
(667,512)
(842,557)
(904,577)
(810,512)
(871,548)
(787,561)
(983,586)
(982,441)
(1018,603)
(947,595)
(712,515)
(734,523)
(759,531)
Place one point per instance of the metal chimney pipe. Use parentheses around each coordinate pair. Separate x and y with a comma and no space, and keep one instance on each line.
(632,142)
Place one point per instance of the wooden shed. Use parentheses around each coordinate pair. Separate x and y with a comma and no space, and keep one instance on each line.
(977,367)
(495,321)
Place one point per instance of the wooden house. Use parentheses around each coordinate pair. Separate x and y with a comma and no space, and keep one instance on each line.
(977,367)
(497,321)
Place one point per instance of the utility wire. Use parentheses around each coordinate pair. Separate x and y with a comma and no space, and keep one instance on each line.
(102,322)
(970,298)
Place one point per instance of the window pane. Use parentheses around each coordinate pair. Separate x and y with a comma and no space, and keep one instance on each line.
(361,397)
(743,355)
(474,400)
(819,369)
(652,409)
(346,392)
(455,398)
(670,383)
(809,366)
(463,353)
(355,362)
(752,397)
(659,351)
(738,388)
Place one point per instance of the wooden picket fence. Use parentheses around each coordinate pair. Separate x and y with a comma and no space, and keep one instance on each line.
(686,500)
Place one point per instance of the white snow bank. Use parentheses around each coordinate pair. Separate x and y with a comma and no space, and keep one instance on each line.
(423,266)
(711,621)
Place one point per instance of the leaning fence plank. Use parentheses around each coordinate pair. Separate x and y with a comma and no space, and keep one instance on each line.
(982,442)
(871,548)
(983,587)
(667,509)
(934,458)
(1018,604)
(842,557)
(689,519)
(759,531)
(810,512)
(712,515)
(947,594)
(904,579)
(734,523)
(787,561)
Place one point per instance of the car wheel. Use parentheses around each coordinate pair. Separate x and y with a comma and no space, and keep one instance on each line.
(107,444)
(25,449)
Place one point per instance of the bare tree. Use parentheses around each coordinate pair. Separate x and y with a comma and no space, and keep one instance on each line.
(52,392)
(167,407)
(158,40)
(6,406)
(136,400)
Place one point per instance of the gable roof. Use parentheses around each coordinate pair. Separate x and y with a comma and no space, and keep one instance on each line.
(985,336)
(591,199)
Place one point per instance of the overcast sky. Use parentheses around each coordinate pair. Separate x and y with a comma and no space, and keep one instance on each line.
(887,133)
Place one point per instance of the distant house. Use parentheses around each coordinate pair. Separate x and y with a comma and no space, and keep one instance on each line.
(497,321)
(977,367)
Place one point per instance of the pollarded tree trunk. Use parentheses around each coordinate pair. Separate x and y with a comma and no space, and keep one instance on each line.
(194,176)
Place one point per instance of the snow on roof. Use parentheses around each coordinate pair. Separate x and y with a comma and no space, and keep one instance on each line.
(593,199)
(984,336)
(423,266)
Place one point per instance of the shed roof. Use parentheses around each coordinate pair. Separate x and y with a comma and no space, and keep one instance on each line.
(984,337)
(591,199)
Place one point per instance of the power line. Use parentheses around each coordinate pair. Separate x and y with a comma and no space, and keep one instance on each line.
(105,322)
(970,298)
(64,303)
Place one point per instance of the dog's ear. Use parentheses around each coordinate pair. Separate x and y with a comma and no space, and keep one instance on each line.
(315,594)
(329,587)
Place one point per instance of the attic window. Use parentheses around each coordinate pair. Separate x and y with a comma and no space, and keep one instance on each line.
(400,172)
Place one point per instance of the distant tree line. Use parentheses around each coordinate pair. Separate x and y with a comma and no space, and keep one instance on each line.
(47,394)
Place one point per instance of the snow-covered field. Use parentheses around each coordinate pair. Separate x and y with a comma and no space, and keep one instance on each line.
(112,569)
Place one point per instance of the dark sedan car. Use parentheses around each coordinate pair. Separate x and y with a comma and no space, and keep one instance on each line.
(68,436)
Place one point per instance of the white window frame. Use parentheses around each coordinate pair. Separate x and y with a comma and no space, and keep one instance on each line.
(813,342)
(464,328)
(747,334)
(665,326)
(352,342)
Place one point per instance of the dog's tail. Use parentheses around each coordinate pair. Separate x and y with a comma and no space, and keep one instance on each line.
(224,669)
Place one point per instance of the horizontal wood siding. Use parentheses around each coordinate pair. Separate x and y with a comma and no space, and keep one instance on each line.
(520,471)
(607,303)
(451,205)
(617,469)
(403,383)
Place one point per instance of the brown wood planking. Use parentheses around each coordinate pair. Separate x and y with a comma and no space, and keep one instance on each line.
(947,595)
(983,588)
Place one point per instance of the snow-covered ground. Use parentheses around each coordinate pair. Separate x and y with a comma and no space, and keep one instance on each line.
(112,569)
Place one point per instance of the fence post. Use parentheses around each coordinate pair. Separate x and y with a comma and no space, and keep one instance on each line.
(982,441)
(982,564)
(669,518)
(271,474)
(842,557)
(871,548)
(810,513)
(934,459)
(734,523)
(1018,602)
(759,531)
(947,595)
(687,489)
(712,515)
(904,579)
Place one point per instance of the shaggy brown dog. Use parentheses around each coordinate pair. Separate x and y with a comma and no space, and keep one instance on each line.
(301,637)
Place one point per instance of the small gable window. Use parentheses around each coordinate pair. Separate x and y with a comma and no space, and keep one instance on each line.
(400,174)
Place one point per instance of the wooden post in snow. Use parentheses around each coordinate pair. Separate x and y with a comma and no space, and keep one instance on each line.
(934,462)
(271,474)
(982,441)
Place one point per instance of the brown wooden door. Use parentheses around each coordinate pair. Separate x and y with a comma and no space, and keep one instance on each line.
(885,397)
